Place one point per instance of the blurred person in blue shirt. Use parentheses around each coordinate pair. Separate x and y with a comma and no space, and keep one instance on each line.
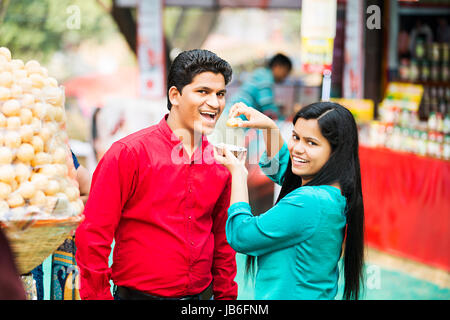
(258,90)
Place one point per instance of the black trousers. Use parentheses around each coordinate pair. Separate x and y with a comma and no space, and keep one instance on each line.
(124,293)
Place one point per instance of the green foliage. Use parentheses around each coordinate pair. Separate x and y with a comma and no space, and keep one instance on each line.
(36,29)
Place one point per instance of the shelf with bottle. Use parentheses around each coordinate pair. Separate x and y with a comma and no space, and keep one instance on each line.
(429,64)
(422,129)
(424,8)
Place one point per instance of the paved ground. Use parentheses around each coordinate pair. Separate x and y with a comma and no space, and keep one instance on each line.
(387,278)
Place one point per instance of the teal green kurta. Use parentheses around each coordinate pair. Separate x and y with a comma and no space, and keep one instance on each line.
(298,241)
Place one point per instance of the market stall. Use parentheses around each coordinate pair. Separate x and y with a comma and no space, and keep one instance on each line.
(405,153)
(407,204)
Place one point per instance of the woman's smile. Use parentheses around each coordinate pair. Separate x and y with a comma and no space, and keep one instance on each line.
(299,162)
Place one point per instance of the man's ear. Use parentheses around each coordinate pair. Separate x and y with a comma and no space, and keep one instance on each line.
(174,95)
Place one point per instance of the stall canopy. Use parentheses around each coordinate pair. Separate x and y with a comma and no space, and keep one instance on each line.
(236,3)
(275,4)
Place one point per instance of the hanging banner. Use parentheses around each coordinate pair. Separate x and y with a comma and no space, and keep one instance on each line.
(318,29)
(151,56)
(353,78)
(317,54)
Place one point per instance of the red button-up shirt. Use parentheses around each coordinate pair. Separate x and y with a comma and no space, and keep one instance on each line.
(167,214)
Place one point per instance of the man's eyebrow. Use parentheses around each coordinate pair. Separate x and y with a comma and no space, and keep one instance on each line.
(209,89)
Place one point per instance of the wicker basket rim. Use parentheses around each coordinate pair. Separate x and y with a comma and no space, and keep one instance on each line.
(45,222)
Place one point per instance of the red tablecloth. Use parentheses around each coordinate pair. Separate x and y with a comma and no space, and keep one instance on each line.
(407,205)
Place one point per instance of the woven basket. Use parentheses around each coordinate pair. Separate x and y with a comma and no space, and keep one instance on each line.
(33,241)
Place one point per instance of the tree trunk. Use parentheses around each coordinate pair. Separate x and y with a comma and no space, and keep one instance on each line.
(126,23)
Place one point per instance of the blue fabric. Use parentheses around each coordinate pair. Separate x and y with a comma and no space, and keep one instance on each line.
(38,274)
(75,160)
(297,242)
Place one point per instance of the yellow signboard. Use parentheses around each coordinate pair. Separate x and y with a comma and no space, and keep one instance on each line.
(362,109)
(317,54)
(318,29)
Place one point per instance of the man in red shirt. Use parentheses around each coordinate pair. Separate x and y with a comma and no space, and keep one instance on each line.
(163,198)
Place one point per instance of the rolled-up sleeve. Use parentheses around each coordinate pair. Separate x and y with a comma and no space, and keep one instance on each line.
(276,167)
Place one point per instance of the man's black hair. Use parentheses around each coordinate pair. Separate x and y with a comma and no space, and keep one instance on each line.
(190,63)
(280,59)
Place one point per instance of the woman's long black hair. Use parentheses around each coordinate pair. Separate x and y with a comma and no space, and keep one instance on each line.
(338,126)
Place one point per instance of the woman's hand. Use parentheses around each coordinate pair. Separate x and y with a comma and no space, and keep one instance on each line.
(227,158)
(272,136)
(255,118)
(239,189)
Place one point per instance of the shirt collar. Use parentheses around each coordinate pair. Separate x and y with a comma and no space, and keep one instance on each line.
(175,141)
(167,132)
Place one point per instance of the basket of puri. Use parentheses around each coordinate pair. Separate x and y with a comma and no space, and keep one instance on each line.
(40,202)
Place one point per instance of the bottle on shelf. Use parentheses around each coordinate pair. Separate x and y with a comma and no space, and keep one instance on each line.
(435,56)
(446,151)
(440,112)
(446,125)
(445,52)
(420,49)
(424,107)
(425,71)
(404,69)
(434,72)
(445,72)
(432,120)
(413,71)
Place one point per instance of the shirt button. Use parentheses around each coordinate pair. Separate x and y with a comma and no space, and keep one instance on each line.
(189,217)
(190,190)
(192,243)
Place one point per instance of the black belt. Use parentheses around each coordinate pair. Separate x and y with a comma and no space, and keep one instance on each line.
(125,293)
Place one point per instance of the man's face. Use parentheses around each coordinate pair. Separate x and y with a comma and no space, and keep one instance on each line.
(280,72)
(200,103)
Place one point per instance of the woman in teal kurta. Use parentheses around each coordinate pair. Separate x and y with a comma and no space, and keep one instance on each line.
(298,241)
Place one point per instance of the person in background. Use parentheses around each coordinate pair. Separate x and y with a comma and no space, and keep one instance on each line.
(11,287)
(258,90)
(94,133)
(298,242)
(161,196)
(63,259)
(65,273)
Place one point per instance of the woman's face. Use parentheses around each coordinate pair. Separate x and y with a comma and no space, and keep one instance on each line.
(309,149)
